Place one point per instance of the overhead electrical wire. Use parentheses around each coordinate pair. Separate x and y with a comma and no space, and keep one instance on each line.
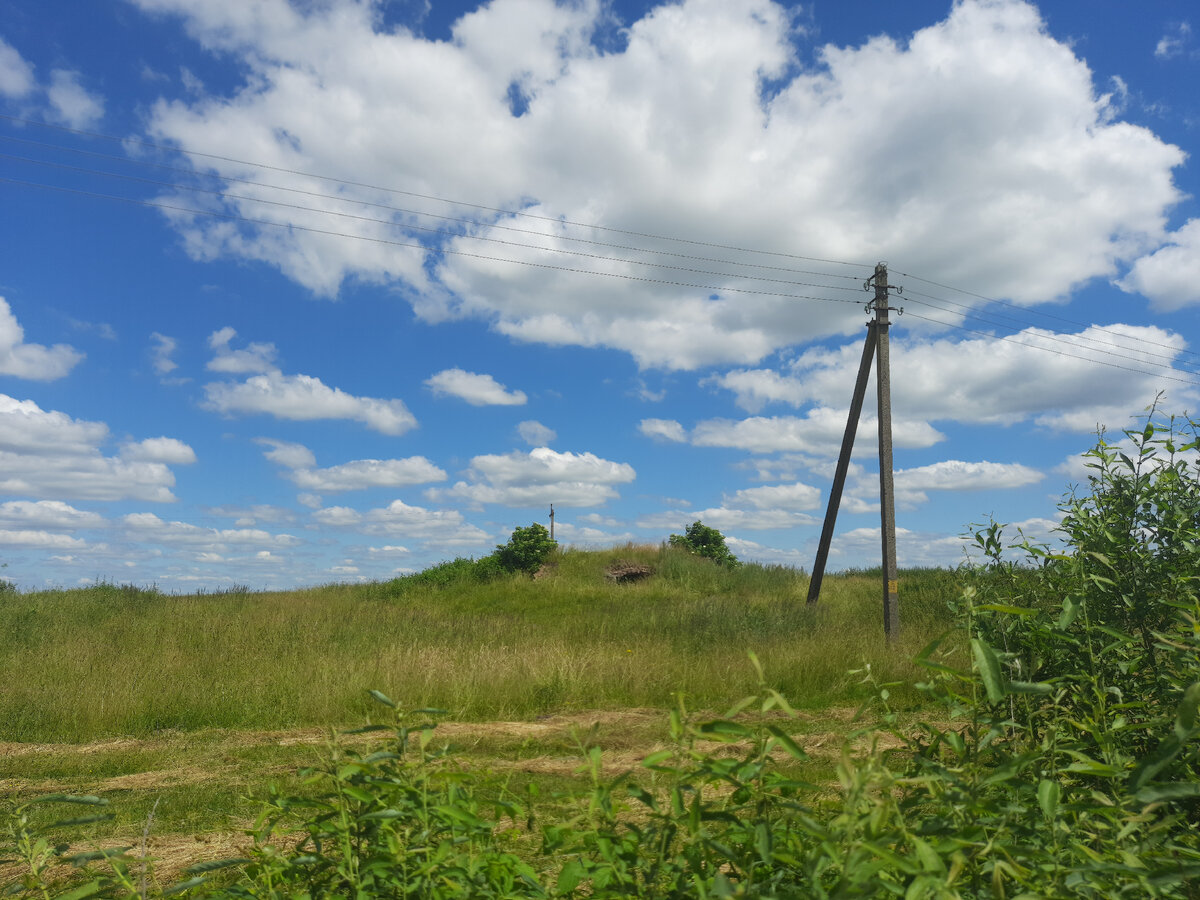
(399,209)
(1039,312)
(973,312)
(169,149)
(1072,341)
(969,311)
(408,226)
(316,194)
(1100,362)
(1135,344)
(434,250)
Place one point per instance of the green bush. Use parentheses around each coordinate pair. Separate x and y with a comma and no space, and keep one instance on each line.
(526,550)
(698,538)
(457,571)
(1100,638)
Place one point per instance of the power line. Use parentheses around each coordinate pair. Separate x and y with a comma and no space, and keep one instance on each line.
(399,209)
(627,277)
(1100,362)
(989,317)
(417,245)
(1073,341)
(349,183)
(562,237)
(414,227)
(1041,313)
(1132,340)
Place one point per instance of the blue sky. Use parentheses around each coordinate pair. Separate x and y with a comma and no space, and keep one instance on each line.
(331,291)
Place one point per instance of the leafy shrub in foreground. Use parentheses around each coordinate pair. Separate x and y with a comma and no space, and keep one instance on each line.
(1105,632)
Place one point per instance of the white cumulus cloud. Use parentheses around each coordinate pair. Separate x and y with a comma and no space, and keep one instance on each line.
(476,389)
(1052,378)
(795,496)
(40,540)
(913,548)
(286,453)
(957,475)
(46,514)
(71,103)
(16,75)
(33,361)
(819,432)
(727,518)
(535,433)
(260,512)
(663,429)
(301,398)
(305,398)
(1170,276)
(152,529)
(255,357)
(441,527)
(1174,42)
(160,354)
(355,475)
(49,455)
(983,133)
(160,449)
(539,477)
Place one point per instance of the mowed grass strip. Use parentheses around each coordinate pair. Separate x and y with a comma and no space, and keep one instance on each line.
(109,661)
(194,795)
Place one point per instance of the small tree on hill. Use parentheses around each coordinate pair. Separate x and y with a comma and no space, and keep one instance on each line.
(526,550)
(706,542)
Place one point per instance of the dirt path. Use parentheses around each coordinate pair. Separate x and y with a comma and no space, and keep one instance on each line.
(245,738)
(626,736)
(208,760)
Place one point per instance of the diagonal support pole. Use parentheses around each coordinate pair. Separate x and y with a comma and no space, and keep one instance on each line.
(843,464)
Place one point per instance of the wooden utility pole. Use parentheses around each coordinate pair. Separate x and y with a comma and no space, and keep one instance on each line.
(551,521)
(876,345)
(887,498)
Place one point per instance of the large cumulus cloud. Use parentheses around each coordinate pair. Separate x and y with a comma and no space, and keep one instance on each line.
(963,150)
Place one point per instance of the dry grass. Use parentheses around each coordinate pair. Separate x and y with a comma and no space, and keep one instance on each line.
(112,662)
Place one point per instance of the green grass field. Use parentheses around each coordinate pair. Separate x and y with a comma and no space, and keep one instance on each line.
(183,709)
(108,661)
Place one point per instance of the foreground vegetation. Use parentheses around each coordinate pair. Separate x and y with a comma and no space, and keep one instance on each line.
(1056,756)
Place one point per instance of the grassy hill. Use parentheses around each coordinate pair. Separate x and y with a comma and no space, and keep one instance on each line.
(107,661)
(182,710)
